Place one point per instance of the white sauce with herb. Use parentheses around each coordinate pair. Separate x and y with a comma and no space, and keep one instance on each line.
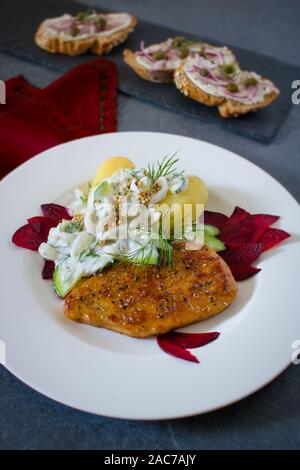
(102,230)
(219,75)
(70,27)
(165,56)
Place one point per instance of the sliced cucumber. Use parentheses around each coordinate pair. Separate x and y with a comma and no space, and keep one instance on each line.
(65,277)
(211,230)
(147,261)
(213,242)
(102,190)
(178,184)
(145,257)
(71,226)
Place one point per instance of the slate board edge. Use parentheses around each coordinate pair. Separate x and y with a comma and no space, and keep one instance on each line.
(258,137)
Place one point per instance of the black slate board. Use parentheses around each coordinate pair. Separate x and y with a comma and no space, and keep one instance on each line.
(18,25)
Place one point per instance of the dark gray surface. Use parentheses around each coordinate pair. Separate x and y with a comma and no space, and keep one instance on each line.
(270,419)
(16,38)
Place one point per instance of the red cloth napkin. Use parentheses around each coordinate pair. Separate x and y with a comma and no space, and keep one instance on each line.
(80,103)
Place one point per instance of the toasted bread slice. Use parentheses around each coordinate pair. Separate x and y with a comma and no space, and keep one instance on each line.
(58,44)
(197,76)
(157,62)
(234,95)
(105,44)
(99,43)
(189,89)
(231,108)
(157,76)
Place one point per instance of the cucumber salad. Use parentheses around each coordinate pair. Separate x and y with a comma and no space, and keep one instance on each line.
(117,219)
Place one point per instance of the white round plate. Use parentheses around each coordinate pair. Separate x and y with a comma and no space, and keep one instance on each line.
(110,374)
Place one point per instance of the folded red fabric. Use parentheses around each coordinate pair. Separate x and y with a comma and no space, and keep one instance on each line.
(80,103)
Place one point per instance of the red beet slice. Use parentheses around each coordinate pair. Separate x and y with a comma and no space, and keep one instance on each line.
(265,220)
(272,237)
(48,270)
(238,232)
(41,226)
(236,217)
(26,237)
(191,340)
(237,254)
(56,212)
(174,350)
(244,271)
(238,228)
(215,218)
(262,222)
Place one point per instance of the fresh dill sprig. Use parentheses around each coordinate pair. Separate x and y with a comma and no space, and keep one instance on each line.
(143,255)
(166,167)
(165,253)
(146,253)
(87,254)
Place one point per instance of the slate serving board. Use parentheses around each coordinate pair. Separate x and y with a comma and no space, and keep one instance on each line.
(18,26)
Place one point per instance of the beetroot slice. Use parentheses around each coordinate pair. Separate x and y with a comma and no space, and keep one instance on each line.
(215,218)
(237,254)
(265,220)
(262,222)
(191,340)
(239,226)
(174,350)
(26,237)
(238,232)
(272,237)
(236,217)
(41,226)
(56,212)
(48,270)
(244,271)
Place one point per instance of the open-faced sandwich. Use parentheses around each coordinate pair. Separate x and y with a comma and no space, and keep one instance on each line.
(74,35)
(157,63)
(220,82)
(208,74)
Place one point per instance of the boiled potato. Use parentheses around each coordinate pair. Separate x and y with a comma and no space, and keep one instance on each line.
(110,166)
(195,193)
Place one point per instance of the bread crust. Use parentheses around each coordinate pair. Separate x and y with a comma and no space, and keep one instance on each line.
(97,44)
(231,108)
(188,88)
(157,76)
(227,108)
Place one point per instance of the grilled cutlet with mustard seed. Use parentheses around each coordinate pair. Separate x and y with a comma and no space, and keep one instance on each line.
(151,300)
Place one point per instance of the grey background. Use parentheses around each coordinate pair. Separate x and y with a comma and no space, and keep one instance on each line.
(269,419)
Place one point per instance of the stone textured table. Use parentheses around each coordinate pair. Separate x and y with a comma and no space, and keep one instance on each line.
(270,418)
